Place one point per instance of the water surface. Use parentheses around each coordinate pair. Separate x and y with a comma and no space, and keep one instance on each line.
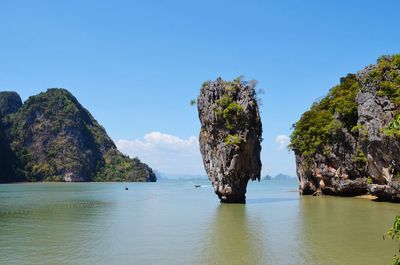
(172,222)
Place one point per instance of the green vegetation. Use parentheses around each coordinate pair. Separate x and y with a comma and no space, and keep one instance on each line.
(360,159)
(233,115)
(321,125)
(192,102)
(10,102)
(238,79)
(52,136)
(393,129)
(230,113)
(119,167)
(233,139)
(386,75)
(318,127)
(361,131)
(205,84)
(369,180)
(394,234)
(395,124)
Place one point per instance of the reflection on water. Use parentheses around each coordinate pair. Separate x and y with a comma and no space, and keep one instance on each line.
(346,230)
(270,200)
(176,223)
(37,235)
(232,238)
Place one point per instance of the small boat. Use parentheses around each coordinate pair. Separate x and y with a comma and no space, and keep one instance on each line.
(126,188)
(197,186)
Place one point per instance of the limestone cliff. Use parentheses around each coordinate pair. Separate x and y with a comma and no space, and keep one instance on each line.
(52,137)
(10,102)
(348,143)
(230,136)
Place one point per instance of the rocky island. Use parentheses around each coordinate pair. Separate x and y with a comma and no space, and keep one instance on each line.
(52,137)
(230,136)
(348,143)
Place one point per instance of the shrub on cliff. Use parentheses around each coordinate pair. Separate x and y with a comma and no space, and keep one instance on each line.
(230,136)
(316,128)
(119,167)
(348,143)
(386,75)
(55,138)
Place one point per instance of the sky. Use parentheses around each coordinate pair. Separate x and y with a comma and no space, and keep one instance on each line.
(135,65)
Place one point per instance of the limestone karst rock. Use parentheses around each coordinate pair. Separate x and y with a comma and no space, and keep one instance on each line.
(52,137)
(230,136)
(348,143)
(10,102)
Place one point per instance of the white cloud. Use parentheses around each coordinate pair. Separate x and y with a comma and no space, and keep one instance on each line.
(166,153)
(282,141)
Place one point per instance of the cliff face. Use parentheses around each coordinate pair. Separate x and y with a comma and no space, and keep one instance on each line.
(54,138)
(348,143)
(230,136)
(10,102)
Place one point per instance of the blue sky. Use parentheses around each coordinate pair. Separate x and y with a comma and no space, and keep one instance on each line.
(135,65)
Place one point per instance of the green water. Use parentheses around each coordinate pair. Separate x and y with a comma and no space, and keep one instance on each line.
(172,222)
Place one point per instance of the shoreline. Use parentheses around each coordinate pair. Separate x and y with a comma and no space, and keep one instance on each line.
(368,197)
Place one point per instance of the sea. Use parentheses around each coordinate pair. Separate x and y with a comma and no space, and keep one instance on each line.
(175,222)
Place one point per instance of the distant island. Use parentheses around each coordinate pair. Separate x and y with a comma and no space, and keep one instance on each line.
(277,177)
(266,177)
(283,177)
(52,137)
(347,144)
(164,176)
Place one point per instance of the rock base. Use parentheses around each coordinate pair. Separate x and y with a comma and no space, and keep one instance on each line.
(389,192)
(239,198)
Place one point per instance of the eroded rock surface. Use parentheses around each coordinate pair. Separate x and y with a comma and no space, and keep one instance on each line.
(52,137)
(230,136)
(348,143)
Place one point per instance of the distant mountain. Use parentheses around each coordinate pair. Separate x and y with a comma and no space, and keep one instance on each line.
(282,177)
(193,177)
(277,177)
(52,137)
(165,176)
(266,177)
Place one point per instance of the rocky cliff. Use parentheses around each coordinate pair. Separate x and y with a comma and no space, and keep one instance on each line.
(52,137)
(347,144)
(10,102)
(230,136)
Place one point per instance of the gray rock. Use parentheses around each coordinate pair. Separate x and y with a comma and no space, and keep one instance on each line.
(335,171)
(346,187)
(374,114)
(230,137)
(388,192)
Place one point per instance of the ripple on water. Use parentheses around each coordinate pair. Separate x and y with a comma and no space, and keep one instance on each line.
(176,223)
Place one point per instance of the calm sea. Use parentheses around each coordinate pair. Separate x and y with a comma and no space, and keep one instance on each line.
(172,222)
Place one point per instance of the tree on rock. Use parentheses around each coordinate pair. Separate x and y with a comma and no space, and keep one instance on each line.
(230,136)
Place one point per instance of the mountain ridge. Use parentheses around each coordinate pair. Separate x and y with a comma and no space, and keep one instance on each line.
(54,138)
